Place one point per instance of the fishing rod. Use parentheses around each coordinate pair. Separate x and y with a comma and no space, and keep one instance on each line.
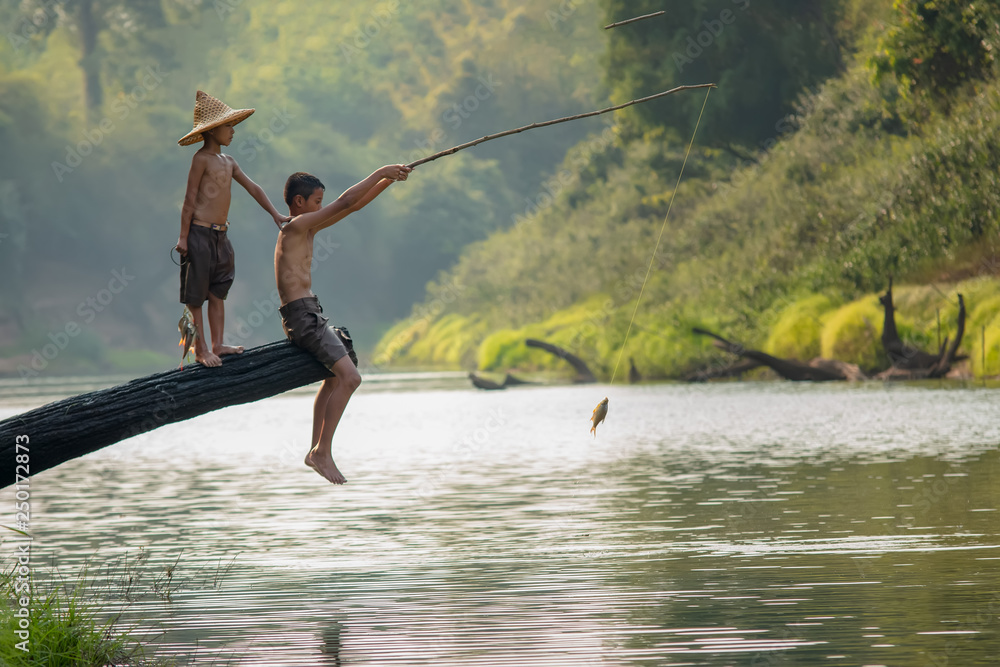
(546,123)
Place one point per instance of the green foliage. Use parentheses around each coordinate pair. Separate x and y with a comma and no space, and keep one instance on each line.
(797,332)
(760,53)
(65,629)
(852,334)
(822,218)
(353,87)
(936,45)
(448,342)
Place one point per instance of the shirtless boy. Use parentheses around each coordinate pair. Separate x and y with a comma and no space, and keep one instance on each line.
(301,314)
(207,262)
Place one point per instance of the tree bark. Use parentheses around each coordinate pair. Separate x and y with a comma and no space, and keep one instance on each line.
(93,93)
(901,355)
(948,358)
(75,426)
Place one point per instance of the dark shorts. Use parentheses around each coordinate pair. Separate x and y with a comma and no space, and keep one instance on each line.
(208,266)
(305,325)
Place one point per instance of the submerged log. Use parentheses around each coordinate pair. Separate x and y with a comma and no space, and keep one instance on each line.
(511,381)
(817,370)
(583,374)
(728,371)
(508,381)
(75,426)
(483,383)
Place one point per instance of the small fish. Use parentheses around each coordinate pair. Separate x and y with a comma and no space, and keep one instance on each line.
(189,333)
(600,412)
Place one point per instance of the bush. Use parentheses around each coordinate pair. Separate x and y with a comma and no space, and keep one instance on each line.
(796,334)
(852,334)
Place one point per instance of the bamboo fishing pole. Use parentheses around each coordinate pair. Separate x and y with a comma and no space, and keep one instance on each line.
(637,18)
(546,123)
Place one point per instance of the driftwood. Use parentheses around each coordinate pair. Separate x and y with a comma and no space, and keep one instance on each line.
(910,363)
(511,381)
(817,370)
(508,381)
(75,426)
(546,123)
(732,370)
(483,383)
(583,374)
(637,18)
(634,376)
(901,355)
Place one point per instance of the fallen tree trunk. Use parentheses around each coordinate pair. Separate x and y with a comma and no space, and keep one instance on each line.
(930,366)
(732,370)
(901,355)
(817,370)
(583,374)
(75,426)
(483,383)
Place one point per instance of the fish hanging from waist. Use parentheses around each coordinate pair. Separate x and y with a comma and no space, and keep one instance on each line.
(189,334)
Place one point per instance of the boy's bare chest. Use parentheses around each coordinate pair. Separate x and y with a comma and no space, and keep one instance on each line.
(219,172)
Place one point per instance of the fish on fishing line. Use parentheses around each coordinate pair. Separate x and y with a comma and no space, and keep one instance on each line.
(600,412)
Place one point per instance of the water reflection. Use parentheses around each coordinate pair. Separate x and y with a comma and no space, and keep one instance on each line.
(719,525)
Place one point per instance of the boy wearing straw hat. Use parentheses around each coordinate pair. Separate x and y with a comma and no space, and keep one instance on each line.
(301,314)
(207,262)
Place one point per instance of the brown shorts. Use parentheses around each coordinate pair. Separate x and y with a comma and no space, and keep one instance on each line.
(305,326)
(208,266)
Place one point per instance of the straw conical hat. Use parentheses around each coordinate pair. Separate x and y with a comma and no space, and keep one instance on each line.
(208,113)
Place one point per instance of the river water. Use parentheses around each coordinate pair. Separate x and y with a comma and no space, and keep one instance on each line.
(725,524)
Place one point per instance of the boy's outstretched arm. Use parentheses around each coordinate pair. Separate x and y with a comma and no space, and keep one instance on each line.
(190,201)
(353,199)
(258,194)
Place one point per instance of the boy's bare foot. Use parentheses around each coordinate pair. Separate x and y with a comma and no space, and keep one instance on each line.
(325,466)
(206,358)
(228,349)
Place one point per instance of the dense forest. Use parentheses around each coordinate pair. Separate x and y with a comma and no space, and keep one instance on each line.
(95,93)
(846,141)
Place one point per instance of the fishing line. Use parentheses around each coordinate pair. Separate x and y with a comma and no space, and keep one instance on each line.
(658,238)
